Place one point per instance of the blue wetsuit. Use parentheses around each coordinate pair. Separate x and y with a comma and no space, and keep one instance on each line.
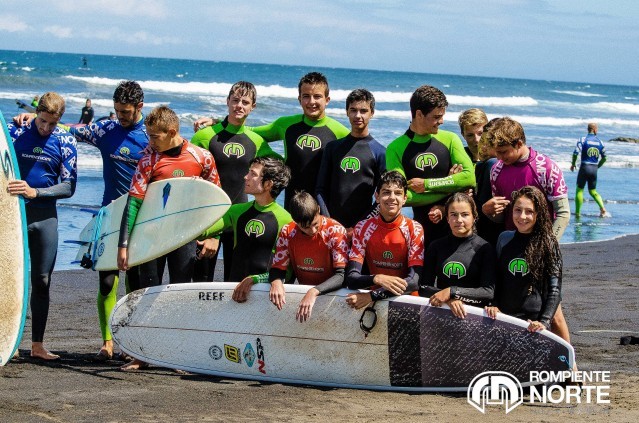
(593,154)
(348,175)
(48,164)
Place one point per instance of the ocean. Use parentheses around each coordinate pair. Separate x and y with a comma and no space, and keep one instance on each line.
(554,115)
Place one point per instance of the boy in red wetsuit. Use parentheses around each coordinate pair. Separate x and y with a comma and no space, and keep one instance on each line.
(315,247)
(391,245)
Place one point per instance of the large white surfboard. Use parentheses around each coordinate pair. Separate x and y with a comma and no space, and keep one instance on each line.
(174,212)
(412,347)
(14,254)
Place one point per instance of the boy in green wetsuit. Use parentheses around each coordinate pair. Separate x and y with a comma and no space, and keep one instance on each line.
(233,146)
(305,135)
(428,158)
(255,224)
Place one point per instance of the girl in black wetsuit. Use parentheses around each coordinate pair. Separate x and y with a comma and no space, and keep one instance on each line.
(529,263)
(460,267)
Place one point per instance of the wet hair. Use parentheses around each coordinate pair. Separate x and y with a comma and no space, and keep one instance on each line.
(128,92)
(51,103)
(162,118)
(360,94)
(471,117)
(592,127)
(313,78)
(392,177)
(542,252)
(303,208)
(244,88)
(273,170)
(426,99)
(504,132)
(462,197)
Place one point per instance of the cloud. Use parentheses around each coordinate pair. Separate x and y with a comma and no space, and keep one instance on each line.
(13,23)
(154,9)
(58,31)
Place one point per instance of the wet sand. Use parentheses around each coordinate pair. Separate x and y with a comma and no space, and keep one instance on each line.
(600,296)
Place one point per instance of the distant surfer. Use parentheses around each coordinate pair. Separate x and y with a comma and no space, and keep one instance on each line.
(315,247)
(593,156)
(86,116)
(255,224)
(35,101)
(47,158)
(390,245)
(233,146)
(459,268)
(85,64)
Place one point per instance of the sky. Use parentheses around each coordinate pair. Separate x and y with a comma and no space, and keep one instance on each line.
(567,40)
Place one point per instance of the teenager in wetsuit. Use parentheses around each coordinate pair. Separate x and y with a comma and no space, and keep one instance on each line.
(593,156)
(315,247)
(471,125)
(255,224)
(233,146)
(47,159)
(86,116)
(352,166)
(529,263)
(390,245)
(459,268)
(425,155)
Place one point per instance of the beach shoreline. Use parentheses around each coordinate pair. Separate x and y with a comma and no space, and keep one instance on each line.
(599,301)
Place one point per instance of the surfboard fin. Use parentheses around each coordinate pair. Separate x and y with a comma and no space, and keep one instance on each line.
(75,241)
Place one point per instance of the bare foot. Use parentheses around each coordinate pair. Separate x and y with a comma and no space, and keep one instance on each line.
(38,351)
(134,365)
(106,352)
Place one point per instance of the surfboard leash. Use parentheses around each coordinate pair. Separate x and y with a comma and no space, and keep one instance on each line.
(367,329)
(87,259)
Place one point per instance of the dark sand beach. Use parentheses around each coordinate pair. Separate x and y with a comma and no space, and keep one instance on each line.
(600,295)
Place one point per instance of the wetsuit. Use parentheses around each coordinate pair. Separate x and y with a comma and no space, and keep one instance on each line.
(486,228)
(390,248)
(516,293)
(318,260)
(87,115)
(465,265)
(593,156)
(121,148)
(255,230)
(537,170)
(184,160)
(233,147)
(304,142)
(348,175)
(430,157)
(48,164)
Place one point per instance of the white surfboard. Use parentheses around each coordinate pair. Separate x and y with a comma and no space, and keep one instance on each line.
(14,254)
(174,212)
(412,347)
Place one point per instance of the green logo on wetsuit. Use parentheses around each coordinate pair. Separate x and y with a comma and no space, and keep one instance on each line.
(309,261)
(37,150)
(387,255)
(426,160)
(309,141)
(518,265)
(350,163)
(593,152)
(177,173)
(254,226)
(454,268)
(125,151)
(233,149)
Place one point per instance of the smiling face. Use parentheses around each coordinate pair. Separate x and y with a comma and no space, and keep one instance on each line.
(460,219)
(391,199)
(313,100)
(424,124)
(524,215)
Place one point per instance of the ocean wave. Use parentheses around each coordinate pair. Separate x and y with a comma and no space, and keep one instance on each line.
(617,107)
(578,93)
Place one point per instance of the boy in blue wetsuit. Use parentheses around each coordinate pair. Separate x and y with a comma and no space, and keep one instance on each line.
(352,166)
(47,158)
(593,156)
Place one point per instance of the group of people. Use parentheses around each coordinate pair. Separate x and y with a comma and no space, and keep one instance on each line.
(486,218)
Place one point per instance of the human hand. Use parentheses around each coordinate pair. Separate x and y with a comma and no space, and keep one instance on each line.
(240,293)
(394,284)
(22,188)
(306,305)
(202,122)
(495,206)
(491,311)
(359,300)
(23,119)
(123,259)
(416,185)
(207,248)
(535,326)
(439,298)
(457,307)
(436,214)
